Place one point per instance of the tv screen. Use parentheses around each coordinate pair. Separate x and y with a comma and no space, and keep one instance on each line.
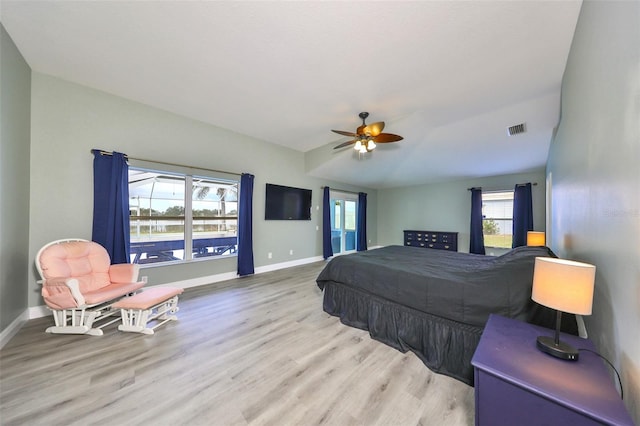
(286,203)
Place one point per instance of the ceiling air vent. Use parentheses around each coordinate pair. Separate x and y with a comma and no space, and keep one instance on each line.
(517,129)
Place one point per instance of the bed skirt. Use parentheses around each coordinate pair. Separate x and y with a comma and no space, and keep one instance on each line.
(443,345)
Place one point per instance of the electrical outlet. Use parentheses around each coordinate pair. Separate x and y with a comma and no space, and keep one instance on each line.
(145,279)
(290,251)
(317,228)
(269,255)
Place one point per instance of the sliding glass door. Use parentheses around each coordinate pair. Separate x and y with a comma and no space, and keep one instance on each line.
(344,208)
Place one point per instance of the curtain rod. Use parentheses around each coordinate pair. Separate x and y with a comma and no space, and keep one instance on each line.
(166,164)
(517,184)
(341,190)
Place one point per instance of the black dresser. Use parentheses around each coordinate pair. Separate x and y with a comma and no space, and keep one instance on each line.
(432,239)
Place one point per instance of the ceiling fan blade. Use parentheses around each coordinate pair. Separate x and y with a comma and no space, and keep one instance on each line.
(374,129)
(342,132)
(387,137)
(342,145)
(360,130)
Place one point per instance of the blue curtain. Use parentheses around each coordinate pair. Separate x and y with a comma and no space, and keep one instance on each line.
(362,222)
(245,226)
(111,204)
(327,250)
(476,241)
(522,214)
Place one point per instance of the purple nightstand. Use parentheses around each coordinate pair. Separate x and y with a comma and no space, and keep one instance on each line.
(516,384)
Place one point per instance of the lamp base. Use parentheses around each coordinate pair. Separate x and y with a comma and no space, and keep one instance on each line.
(560,350)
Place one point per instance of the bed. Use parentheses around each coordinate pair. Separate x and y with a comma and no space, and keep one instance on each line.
(434,303)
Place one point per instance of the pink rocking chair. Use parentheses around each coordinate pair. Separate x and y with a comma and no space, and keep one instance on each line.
(79,285)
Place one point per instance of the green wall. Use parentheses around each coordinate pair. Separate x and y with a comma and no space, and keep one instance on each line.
(15,87)
(446,206)
(68,120)
(594,170)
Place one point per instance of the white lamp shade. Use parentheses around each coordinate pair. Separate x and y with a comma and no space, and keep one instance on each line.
(564,285)
(535,238)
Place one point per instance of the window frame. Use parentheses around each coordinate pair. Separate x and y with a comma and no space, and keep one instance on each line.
(188,177)
(497,219)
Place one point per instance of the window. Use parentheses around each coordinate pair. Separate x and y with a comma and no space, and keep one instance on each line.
(178,217)
(343,222)
(497,218)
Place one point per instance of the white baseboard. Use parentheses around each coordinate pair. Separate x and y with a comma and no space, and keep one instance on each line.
(290,264)
(13,328)
(38,312)
(42,311)
(210,279)
(196,282)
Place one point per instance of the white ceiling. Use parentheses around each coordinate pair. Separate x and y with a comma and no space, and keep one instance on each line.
(449,76)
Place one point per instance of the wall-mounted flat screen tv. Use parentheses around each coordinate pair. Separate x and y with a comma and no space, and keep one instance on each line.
(287,203)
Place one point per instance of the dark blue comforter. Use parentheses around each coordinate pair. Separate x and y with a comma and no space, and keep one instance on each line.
(457,286)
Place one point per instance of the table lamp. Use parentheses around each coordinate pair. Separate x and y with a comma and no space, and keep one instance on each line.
(535,238)
(565,286)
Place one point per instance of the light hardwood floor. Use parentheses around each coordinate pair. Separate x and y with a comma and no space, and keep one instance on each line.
(252,351)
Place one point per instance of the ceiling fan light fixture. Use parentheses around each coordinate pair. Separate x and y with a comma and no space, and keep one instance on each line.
(367,137)
(371,145)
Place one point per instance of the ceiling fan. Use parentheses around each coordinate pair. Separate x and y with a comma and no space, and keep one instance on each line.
(367,136)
